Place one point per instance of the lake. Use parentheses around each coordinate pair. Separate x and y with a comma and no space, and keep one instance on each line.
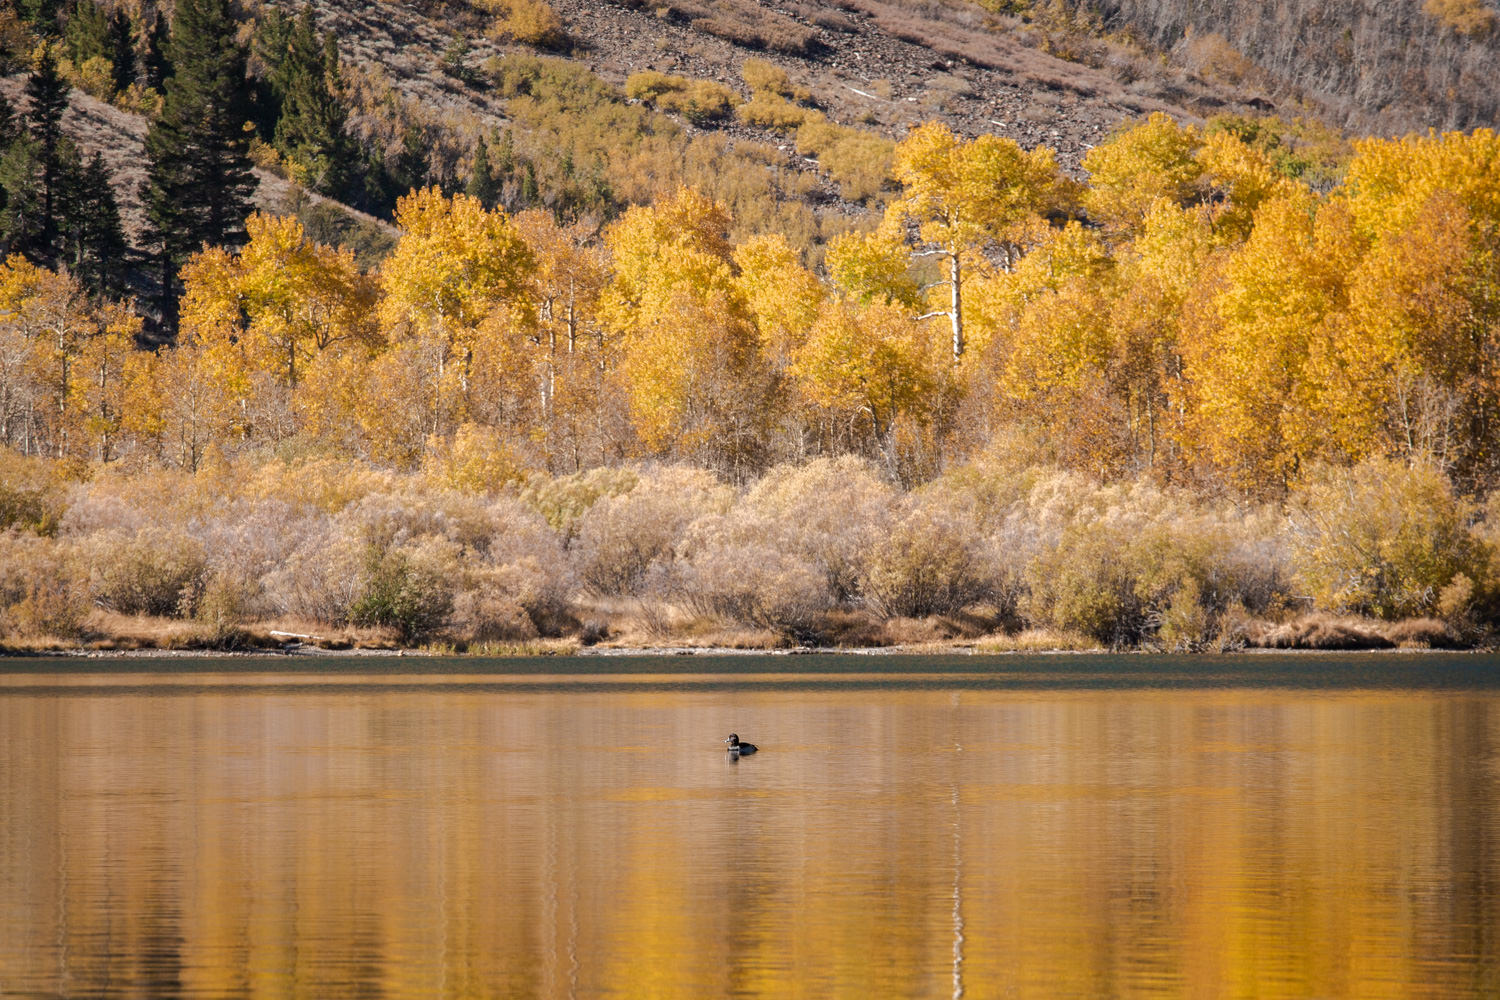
(1089,826)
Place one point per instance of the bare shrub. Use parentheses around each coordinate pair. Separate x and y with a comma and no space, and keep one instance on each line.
(736,566)
(321,579)
(486,616)
(564,500)
(1321,632)
(832,512)
(1383,538)
(621,537)
(153,571)
(1123,563)
(927,564)
(40,594)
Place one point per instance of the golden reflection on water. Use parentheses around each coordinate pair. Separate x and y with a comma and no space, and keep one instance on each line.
(240,841)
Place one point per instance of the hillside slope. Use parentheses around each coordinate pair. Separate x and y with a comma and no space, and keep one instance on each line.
(1373,65)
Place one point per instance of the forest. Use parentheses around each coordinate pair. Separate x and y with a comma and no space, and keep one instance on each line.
(1203,396)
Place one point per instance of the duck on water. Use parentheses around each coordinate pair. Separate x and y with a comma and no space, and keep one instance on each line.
(735,746)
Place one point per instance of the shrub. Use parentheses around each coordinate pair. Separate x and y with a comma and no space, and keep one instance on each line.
(408,588)
(769,110)
(530,22)
(562,501)
(764,77)
(155,571)
(1383,538)
(40,594)
(927,564)
(737,566)
(831,512)
(1127,563)
(621,537)
(698,101)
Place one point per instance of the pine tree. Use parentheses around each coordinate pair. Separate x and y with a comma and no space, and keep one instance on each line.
(47,93)
(199,180)
(482,178)
(157,65)
(310,128)
(95,238)
(87,33)
(20,196)
(121,51)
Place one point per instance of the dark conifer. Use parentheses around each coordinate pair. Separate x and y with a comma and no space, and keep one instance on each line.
(121,51)
(482,178)
(20,196)
(199,179)
(157,64)
(47,96)
(95,238)
(87,32)
(310,128)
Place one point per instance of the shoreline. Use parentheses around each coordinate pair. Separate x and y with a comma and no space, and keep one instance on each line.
(873,653)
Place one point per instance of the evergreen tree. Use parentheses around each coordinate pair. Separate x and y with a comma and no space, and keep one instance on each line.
(41,15)
(47,94)
(87,32)
(20,196)
(310,128)
(95,238)
(199,179)
(121,51)
(157,64)
(482,178)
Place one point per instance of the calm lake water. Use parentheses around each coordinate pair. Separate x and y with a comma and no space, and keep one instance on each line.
(986,827)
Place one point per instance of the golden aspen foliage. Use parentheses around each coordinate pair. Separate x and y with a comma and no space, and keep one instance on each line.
(783,296)
(454,266)
(872,363)
(181,400)
(873,266)
(1415,357)
(1155,160)
(1156,274)
(1246,354)
(965,196)
(1389,180)
(62,355)
(1236,179)
(274,311)
(567,354)
(100,377)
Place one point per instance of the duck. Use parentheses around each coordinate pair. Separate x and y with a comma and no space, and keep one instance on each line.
(735,746)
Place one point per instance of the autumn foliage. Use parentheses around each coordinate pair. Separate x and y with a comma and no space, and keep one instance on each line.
(1025,397)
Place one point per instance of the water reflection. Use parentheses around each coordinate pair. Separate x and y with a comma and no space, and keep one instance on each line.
(244,842)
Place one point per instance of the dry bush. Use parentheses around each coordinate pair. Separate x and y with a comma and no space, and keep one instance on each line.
(562,501)
(620,538)
(1383,538)
(859,161)
(1123,563)
(530,22)
(320,580)
(928,563)
(156,570)
(699,101)
(831,512)
(738,566)
(1323,632)
(769,110)
(32,492)
(40,593)
(765,77)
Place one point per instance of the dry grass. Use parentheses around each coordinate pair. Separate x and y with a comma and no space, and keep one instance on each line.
(1037,640)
